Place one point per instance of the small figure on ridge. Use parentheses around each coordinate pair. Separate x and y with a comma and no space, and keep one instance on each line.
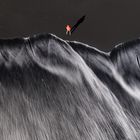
(68,30)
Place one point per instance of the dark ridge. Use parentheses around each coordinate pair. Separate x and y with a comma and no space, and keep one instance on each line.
(66,90)
(125,58)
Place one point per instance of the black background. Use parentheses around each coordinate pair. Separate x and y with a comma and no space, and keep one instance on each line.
(108,22)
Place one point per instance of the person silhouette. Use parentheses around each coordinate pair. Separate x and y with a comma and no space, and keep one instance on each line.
(68,30)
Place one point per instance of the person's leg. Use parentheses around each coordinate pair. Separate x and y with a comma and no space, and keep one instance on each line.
(69,32)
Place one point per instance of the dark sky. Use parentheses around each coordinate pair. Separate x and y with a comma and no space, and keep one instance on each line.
(108,22)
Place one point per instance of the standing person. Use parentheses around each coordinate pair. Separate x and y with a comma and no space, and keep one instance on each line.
(68,30)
